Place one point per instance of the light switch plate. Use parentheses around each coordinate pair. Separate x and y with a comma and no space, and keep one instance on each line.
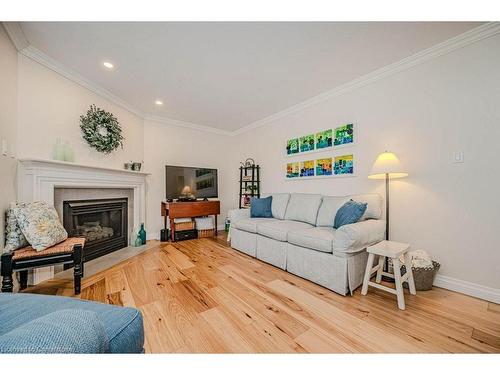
(458,157)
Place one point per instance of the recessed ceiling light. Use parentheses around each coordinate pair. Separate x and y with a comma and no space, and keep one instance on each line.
(158,102)
(108,65)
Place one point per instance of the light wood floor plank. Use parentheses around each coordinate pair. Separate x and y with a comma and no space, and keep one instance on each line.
(201,296)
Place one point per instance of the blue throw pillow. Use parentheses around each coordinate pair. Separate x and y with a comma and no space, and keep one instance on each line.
(349,213)
(261,207)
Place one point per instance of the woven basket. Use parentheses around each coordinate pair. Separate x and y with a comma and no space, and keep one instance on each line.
(203,233)
(189,225)
(424,277)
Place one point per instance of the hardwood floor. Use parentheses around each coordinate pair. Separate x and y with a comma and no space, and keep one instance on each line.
(200,296)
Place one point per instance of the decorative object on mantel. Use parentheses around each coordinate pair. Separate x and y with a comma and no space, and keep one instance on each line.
(63,151)
(136,166)
(128,166)
(101,130)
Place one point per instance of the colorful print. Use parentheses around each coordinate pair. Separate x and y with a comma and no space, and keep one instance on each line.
(307,143)
(324,167)
(307,168)
(344,165)
(344,135)
(324,139)
(292,170)
(292,146)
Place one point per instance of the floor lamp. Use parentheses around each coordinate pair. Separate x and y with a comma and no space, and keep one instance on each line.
(387,166)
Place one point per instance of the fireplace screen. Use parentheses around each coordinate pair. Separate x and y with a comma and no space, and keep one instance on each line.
(102,222)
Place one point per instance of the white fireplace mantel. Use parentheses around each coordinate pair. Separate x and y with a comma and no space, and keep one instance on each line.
(37,179)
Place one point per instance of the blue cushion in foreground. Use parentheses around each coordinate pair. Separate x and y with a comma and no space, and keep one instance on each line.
(261,207)
(123,326)
(349,213)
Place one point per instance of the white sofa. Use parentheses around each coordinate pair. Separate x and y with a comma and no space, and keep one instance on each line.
(300,238)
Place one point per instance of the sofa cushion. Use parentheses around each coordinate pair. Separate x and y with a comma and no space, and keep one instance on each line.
(123,325)
(303,207)
(374,208)
(250,225)
(328,210)
(280,202)
(349,213)
(261,207)
(316,238)
(355,237)
(278,229)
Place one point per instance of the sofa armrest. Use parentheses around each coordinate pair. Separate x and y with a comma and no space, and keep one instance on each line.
(351,238)
(238,214)
(63,331)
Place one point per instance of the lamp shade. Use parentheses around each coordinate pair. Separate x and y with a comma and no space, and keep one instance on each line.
(387,163)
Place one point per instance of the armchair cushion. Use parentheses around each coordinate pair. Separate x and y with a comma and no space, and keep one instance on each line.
(351,238)
(63,331)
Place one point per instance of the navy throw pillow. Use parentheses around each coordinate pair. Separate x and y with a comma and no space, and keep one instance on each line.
(261,207)
(349,213)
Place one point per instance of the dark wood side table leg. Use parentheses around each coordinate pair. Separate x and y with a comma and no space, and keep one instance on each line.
(215,232)
(172,230)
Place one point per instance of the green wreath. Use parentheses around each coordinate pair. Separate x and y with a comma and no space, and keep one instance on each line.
(101,130)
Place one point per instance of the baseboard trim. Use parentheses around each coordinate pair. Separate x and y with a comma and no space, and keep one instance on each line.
(465,287)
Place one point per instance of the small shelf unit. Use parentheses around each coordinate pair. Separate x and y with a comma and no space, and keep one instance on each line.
(249,184)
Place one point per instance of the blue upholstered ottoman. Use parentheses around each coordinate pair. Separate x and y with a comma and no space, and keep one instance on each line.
(31,323)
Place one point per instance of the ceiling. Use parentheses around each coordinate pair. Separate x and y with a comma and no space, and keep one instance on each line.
(227,75)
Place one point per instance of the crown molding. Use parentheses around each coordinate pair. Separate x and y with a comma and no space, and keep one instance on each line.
(20,41)
(54,65)
(185,124)
(16,35)
(457,42)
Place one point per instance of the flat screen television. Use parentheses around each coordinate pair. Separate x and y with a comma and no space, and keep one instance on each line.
(189,183)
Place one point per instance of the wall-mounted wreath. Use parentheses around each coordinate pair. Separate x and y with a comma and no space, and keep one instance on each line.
(101,130)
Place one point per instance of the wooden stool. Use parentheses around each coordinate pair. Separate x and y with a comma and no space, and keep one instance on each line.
(69,252)
(391,250)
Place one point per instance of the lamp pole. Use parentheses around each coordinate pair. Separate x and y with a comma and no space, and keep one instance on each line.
(387,206)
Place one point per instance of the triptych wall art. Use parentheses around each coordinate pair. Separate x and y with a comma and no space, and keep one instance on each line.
(323,141)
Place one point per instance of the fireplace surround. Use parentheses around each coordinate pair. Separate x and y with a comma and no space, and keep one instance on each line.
(37,180)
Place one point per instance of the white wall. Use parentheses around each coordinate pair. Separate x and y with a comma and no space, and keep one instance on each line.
(165,144)
(423,115)
(50,106)
(8,118)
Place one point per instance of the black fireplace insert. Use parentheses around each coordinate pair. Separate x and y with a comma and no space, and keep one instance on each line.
(103,223)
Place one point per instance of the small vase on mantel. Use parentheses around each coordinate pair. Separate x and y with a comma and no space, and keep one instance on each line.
(142,234)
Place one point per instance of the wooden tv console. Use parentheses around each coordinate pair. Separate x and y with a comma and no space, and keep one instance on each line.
(175,210)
